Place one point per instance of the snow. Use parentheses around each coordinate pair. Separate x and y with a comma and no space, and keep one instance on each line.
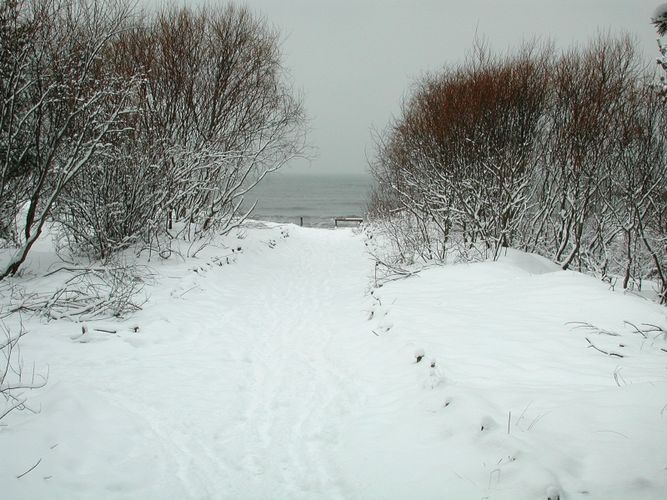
(274,372)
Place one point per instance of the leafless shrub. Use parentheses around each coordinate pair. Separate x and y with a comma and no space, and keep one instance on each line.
(591,88)
(607,167)
(126,128)
(15,381)
(560,154)
(61,105)
(216,114)
(115,290)
(460,158)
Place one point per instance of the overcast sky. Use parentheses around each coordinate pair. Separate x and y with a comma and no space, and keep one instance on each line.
(354,60)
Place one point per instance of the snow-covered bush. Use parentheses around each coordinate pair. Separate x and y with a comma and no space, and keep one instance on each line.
(124,128)
(215,115)
(61,105)
(561,154)
(461,156)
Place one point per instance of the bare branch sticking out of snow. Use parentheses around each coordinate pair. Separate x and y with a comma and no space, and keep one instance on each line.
(590,344)
(30,469)
(90,293)
(587,326)
(13,380)
(634,327)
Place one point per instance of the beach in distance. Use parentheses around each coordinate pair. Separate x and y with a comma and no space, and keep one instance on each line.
(286,197)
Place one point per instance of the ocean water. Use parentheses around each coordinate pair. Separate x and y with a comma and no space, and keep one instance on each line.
(317,198)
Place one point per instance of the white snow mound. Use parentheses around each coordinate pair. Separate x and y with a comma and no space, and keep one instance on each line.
(265,368)
(528,262)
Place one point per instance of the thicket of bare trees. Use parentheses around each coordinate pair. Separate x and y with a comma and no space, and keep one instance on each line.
(214,116)
(61,107)
(123,127)
(564,154)
(118,127)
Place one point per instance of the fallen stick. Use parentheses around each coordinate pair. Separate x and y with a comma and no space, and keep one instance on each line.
(603,352)
(103,330)
(30,469)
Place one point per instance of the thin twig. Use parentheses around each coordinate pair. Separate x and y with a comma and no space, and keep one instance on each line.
(103,330)
(536,420)
(30,469)
(603,352)
(636,329)
(188,290)
(523,413)
(593,328)
(75,269)
(655,328)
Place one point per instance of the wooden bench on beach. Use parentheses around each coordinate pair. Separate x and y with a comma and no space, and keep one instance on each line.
(358,220)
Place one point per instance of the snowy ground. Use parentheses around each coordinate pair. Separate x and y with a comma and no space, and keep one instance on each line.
(278,375)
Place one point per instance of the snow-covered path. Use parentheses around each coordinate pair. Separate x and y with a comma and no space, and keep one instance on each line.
(299,315)
(270,372)
(236,382)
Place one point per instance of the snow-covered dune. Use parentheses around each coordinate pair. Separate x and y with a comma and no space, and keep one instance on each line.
(273,372)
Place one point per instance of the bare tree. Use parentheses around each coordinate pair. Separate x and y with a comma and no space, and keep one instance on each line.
(64,106)
(16,156)
(564,155)
(461,157)
(217,114)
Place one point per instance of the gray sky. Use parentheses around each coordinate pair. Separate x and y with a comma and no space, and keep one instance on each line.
(355,60)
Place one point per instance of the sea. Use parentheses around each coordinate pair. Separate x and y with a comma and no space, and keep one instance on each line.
(315,199)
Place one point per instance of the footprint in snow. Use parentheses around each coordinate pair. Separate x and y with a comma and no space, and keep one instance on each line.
(385,326)
(435,376)
(419,355)
(553,492)
(377,312)
(488,424)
